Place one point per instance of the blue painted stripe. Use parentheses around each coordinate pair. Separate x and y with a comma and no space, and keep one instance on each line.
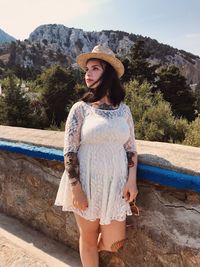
(153,174)
(32,151)
(169,177)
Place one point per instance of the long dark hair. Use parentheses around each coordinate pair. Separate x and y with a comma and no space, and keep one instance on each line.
(110,85)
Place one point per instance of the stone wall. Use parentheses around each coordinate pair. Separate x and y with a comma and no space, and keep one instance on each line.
(167,232)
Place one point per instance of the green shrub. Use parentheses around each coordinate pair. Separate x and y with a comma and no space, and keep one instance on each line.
(181,128)
(193,135)
(153,117)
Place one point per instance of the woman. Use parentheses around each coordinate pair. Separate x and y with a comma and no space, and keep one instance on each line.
(99,181)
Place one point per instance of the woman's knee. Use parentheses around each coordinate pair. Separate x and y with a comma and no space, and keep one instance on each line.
(89,230)
(89,238)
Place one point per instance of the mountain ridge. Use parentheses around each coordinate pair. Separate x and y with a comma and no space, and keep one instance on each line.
(5,37)
(58,43)
(72,41)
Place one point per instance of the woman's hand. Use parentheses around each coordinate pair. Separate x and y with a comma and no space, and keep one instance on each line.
(130,190)
(79,198)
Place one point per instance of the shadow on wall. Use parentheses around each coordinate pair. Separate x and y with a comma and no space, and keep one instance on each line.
(155,160)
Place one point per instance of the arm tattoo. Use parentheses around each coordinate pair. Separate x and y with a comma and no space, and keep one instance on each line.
(130,156)
(72,167)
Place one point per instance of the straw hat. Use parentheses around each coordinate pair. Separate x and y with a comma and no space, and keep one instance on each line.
(104,53)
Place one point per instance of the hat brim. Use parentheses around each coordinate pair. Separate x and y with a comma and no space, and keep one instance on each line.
(113,61)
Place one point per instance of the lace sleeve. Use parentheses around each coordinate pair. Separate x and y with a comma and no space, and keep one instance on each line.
(73,129)
(130,145)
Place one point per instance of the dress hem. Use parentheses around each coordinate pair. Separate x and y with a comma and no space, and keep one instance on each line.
(102,221)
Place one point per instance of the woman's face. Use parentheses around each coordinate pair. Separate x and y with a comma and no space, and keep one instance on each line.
(94,70)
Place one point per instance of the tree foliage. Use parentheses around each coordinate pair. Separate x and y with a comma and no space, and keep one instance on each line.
(197,98)
(153,117)
(136,65)
(57,92)
(193,137)
(176,91)
(167,79)
(14,106)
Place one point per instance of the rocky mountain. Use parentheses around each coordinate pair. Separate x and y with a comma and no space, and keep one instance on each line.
(5,38)
(71,42)
(54,43)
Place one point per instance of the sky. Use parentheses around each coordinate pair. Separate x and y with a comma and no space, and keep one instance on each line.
(172,22)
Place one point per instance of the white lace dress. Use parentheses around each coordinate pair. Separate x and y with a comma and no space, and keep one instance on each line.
(101,139)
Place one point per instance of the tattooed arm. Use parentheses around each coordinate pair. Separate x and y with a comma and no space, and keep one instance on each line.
(71,145)
(72,142)
(72,167)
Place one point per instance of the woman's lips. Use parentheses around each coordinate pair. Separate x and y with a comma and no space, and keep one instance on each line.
(89,80)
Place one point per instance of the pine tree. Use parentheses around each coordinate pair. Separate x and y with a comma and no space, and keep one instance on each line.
(197,98)
(176,91)
(137,67)
(57,92)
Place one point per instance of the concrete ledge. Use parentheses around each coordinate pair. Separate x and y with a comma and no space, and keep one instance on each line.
(37,137)
(155,165)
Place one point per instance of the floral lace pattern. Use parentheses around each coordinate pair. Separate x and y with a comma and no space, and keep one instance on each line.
(130,144)
(73,128)
(75,120)
(101,139)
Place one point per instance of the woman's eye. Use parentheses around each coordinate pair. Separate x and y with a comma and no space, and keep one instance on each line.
(94,68)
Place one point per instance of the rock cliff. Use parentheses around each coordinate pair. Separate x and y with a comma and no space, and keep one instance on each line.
(71,42)
(54,43)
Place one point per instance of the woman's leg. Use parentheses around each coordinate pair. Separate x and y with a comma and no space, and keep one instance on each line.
(89,231)
(112,236)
